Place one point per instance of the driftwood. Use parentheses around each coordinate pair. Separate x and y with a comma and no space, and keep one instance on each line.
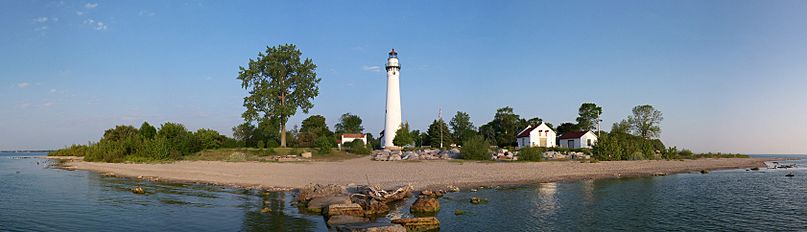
(384,196)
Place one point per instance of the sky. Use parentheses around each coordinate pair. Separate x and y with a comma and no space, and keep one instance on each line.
(729,76)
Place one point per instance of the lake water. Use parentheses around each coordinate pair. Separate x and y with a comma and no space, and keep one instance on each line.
(34,197)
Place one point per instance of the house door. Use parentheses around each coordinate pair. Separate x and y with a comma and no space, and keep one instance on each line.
(571,143)
(543,142)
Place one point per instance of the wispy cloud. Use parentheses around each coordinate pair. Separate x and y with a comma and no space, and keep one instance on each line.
(146,13)
(41,20)
(374,68)
(47,104)
(23,84)
(90,5)
(79,13)
(97,25)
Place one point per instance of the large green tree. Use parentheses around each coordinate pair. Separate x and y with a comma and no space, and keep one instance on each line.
(439,133)
(646,121)
(147,131)
(313,129)
(403,136)
(621,127)
(506,125)
(349,123)
(567,127)
(462,127)
(589,115)
(279,83)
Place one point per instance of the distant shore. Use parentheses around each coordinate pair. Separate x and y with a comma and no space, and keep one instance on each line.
(422,175)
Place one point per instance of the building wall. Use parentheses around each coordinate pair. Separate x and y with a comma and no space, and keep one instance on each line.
(536,136)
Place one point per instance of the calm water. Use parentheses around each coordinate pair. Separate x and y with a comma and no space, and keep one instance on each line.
(34,197)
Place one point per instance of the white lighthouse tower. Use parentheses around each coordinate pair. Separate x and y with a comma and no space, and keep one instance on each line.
(393,112)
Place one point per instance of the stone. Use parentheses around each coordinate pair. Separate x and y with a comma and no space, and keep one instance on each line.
(425,205)
(346,219)
(477,200)
(306,154)
(394,157)
(419,224)
(317,204)
(705,171)
(266,210)
(351,209)
(371,227)
(459,212)
(452,188)
(138,190)
(317,191)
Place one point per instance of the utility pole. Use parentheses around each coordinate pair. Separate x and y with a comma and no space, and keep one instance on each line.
(440,118)
(598,125)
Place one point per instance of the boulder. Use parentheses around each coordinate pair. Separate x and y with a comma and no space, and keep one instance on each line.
(371,227)
(382,157)
(394,157)
(346,219)
(425,205)
(317,204)
(351,209)
(138,190)
(306,154)
(317,190)
(477,200)
(419,224)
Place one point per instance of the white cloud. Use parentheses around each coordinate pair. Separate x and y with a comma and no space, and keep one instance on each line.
(374,68)
(146,13)
(41,20)
(79,13)
(47,104)
(52,90)
(97,25)
(23,84)
(90,5)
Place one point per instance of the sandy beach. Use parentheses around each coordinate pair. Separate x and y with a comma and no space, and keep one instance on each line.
(426,174)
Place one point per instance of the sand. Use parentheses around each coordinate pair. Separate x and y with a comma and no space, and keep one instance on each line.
(423,174)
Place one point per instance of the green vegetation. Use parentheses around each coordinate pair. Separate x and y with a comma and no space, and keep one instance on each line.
(621,146)
(349,124)
(403,137)
(462,127)
(531,154)
(279,83)
(357,147)
(439,134)
(589,115)
(126,143)
(476,148)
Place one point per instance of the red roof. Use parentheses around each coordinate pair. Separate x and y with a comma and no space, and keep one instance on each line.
(355,136)
(572,134)
(526,132)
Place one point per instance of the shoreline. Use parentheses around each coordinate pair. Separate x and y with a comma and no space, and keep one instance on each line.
(391,174)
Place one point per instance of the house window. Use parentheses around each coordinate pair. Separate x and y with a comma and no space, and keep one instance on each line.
(588,141)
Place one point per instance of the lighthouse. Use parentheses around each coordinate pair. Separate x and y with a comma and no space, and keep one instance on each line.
(393,112)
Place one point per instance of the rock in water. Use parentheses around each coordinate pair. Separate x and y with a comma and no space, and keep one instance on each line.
(371,227)
(266,210)
(419,224)
(346,219)
(425,205)
(477,200)
(351,209)
(138,190)
(317,204)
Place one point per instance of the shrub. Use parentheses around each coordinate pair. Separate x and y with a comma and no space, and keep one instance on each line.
(73,150)
(357,147)
(475,148)
(324,145)
(531,154)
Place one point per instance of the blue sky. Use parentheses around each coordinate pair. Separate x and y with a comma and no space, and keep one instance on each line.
(728,75)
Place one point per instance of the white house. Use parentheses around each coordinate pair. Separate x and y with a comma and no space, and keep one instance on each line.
(536,136)
(346,138)
(577,139)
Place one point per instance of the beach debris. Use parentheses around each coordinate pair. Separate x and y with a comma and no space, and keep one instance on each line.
(374,227)
(659,174)
(473,190)
(425,204)
(138,190)
(374,199)
(477,200)
(419,224)
(346,219)
(266,210)
(351,209)
(459,212)
(705,171)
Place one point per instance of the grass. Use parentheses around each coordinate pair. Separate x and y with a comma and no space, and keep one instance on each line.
(264,155)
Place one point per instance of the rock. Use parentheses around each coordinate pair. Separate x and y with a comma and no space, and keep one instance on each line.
(306,154)
(452,188)
(419,224)
(459,212)
(755,169)
(371,227)
(346,219)
(266,210)
(394,157)
(477,200)
(317,204)
(705,171)
(425,205)
(317,191)
(659,174)
(382,157)
(138,190)
(351,209)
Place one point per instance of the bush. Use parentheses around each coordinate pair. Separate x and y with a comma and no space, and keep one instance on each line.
(324,145)
(357,147)
(621,146)
(73,150)
(531,154)
(475,148)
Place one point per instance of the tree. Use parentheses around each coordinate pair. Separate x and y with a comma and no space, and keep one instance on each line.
(147,131)
(505,125)
(179,138)
(349,123)
(476,148)
(462,127)
(621,127)
(120,133)
(416,138)
(278,83)
(646,121)
(209,139)
(403,137)
(313,128)
(589,116)
(245,132)
(439,134)
(567,127)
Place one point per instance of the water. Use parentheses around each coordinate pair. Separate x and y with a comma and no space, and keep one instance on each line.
(46,199)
